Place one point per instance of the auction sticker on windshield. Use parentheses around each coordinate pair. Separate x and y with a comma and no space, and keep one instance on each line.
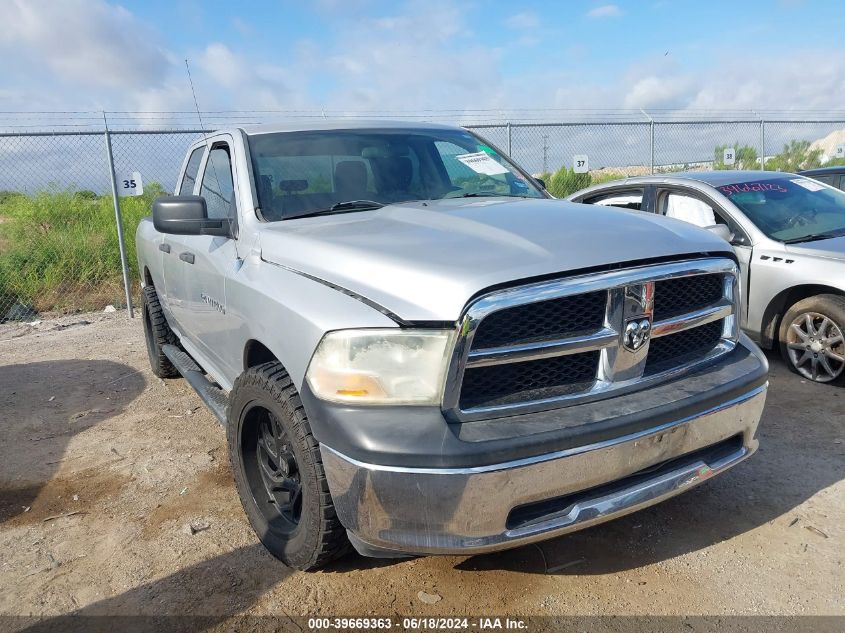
(481,163)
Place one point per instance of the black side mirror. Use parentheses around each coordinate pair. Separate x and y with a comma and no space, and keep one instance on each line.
(540,182)
(187,215)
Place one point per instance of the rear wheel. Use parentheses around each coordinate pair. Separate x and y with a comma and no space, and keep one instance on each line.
(811,338)
(279,471)
(157,333)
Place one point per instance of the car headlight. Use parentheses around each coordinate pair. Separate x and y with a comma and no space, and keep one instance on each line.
(389,366)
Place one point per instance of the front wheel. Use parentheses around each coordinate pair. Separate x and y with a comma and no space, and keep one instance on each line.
(811,338)
(279,471)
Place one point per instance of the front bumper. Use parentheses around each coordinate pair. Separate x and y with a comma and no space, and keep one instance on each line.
(468,510)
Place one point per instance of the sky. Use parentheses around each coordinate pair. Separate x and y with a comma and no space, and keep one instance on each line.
(419,56)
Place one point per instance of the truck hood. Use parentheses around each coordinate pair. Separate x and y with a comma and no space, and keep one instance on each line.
(423,261)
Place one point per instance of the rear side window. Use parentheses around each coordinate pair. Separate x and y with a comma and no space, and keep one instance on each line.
(217,184)
(628,199)
(826,179)
(190,177)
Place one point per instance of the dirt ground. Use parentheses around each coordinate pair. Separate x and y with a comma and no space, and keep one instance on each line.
(103,468)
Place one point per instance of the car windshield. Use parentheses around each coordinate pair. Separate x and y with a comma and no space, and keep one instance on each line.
(790,209)
(338,171)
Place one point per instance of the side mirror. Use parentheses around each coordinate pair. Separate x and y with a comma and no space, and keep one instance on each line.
(187,215)
(722,231)
(540,182)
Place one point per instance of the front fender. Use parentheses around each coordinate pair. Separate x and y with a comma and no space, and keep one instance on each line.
(289,314)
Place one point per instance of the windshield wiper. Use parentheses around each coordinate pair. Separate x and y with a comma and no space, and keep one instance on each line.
(491,194)
(341,207)
(815,237)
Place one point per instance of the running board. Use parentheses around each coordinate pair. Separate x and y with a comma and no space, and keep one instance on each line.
(213,397)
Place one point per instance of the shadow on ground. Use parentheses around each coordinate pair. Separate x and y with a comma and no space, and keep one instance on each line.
(53,401)
(218,589)
(797,458)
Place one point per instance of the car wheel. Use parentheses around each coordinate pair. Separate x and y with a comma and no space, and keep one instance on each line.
(157,333)
(811,338)
(279,471)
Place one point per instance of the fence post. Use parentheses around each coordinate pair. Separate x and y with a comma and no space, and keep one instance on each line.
(651,141)
(118,219)
(652,146)
(510,139)
(762,145)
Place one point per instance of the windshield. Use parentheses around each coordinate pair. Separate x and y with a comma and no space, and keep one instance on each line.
(302,173)
(790,208)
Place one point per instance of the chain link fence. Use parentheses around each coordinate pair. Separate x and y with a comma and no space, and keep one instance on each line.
(59,246)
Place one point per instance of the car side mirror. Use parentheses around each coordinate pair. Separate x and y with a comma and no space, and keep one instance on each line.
(187,215)
(540,182)
(722,231)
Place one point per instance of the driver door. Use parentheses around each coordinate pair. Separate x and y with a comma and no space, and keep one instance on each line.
(208,261)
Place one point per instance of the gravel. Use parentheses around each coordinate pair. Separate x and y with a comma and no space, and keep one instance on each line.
(105,478)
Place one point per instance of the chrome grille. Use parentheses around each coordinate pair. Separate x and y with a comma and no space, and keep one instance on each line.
(685,294)
(533,380)
(668,352)
(543,320)
(554,343)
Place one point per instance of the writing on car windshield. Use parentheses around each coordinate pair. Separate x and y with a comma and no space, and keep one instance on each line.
(318,172)
(790,209)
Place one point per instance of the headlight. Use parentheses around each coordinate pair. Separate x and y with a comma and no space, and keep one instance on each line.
(390,366)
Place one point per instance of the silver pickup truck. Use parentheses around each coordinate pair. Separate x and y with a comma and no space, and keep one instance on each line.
(415,350)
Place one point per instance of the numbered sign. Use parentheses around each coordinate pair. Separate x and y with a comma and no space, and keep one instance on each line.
(131,185)
(729,156)
(580,164)
(840,151)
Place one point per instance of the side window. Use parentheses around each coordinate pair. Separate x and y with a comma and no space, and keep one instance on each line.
(826,179)
(695,211)
(841,183)
(217,185)
(186,188)
(628,199)
(688,209)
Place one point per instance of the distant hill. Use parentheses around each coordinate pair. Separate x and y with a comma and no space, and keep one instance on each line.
(828,144)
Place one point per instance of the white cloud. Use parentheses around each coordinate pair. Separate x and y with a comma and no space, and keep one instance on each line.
(420,56)
(88,43)
(754,83)
(524,20)
(230,79)
(658,92)
(605,11)
(423,55)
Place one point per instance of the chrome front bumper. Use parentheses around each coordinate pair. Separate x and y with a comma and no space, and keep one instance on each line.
(389,509)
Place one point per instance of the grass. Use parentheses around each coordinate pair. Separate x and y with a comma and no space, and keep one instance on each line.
(59,249)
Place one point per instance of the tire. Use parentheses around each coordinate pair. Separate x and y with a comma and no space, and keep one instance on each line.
(287,500)
(157,333)
(811,338)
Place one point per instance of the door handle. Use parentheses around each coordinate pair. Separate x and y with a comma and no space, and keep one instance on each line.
(187,257)
(164,248)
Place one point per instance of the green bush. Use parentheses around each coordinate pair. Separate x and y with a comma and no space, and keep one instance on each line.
(565,182)
(796,155)
(603,177)
(745,156)
(59,249)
